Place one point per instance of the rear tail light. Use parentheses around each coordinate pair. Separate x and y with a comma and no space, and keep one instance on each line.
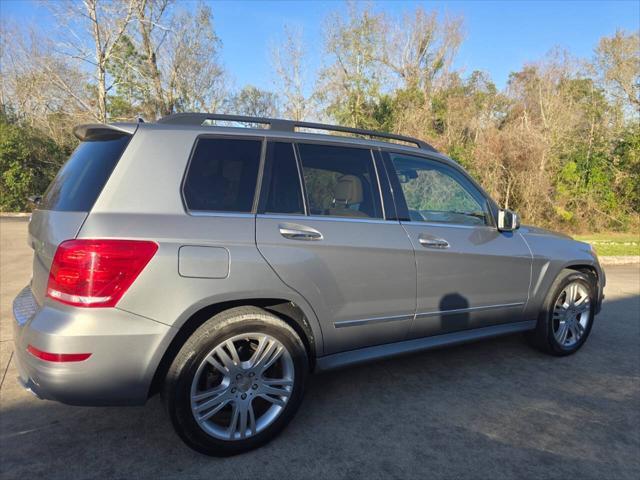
(96,273)
(57,357)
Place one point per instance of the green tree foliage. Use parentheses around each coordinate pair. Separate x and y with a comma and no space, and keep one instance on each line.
(351,85)
(28,162)
(254,102)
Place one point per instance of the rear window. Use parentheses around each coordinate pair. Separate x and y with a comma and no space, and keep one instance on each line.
(82,178)
(222,175)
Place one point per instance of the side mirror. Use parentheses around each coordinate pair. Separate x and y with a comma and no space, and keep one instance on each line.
(508,221)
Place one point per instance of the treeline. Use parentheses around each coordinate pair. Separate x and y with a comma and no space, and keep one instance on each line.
(560,144)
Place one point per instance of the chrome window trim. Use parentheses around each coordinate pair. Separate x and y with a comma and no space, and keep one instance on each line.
(324,218)
(397,318)
(470,309)
(216,213)
(368,321)
(450,225)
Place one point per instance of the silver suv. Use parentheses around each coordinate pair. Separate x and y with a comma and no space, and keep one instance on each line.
(219,260)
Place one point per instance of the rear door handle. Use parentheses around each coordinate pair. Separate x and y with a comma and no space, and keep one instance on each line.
(299,232)
(432,242)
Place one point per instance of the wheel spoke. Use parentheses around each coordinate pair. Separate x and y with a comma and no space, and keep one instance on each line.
(583,299)
(217,365)
(269,390)
(252,419)
(268,356)
(211,407)
(572,293)
(208,393)
(235,413)
(214,410)
(285,382)
(572,330)
(579,329)
(584,305)
(243,421)
(563,330)
(262,344)
(232,350)
(225,358)
(274,400)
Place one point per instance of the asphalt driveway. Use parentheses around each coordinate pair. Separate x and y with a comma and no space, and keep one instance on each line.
(490,410)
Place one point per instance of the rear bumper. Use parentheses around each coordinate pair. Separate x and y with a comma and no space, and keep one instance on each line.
(125,351)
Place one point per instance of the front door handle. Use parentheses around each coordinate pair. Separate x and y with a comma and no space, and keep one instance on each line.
(432,242)
(299,232)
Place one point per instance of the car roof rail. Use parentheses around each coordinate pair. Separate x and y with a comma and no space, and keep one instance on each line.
(281,125)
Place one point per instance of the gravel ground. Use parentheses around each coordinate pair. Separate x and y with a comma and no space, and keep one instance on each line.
(493,409)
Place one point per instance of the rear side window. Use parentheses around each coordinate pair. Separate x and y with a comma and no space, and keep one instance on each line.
(340,181)
(82,178)
(222,175)
(281,180)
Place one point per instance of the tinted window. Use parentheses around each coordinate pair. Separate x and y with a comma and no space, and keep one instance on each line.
(340,181)
(437,193)
(82,178)
(282,183)
(222,175)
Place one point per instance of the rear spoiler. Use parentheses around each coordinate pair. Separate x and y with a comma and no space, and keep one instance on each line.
(103,131)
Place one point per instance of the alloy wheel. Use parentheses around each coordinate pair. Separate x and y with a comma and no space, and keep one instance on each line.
(242,386)
(571,314)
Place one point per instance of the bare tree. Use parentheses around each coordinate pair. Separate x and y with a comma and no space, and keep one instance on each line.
(153,29)
(195,77)
(45,89)
(179,58)
(618,60)
(420,47)
(287,59)
(105,22)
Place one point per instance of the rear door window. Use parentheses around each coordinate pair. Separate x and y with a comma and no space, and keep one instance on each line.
(281,185)
(81,179)
(222,175)
(340,181)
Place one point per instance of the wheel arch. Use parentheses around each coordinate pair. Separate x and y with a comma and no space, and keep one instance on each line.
(285,309)
(587,269)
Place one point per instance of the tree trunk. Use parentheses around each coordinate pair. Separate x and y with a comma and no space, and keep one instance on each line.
(100,61)
(159,103)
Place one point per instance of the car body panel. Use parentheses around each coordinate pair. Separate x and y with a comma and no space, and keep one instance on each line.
(125,351)
(360,277)
(552,252)
(481,279)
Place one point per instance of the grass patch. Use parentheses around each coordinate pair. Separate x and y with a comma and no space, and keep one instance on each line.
(613,244)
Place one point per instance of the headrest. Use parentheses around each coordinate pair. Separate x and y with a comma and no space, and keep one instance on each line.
(348,191)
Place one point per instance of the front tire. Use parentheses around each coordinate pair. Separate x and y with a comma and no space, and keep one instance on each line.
(236,382)
(567,316)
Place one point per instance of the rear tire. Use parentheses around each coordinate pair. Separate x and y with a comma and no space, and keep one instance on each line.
(236,382)
(566,318)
